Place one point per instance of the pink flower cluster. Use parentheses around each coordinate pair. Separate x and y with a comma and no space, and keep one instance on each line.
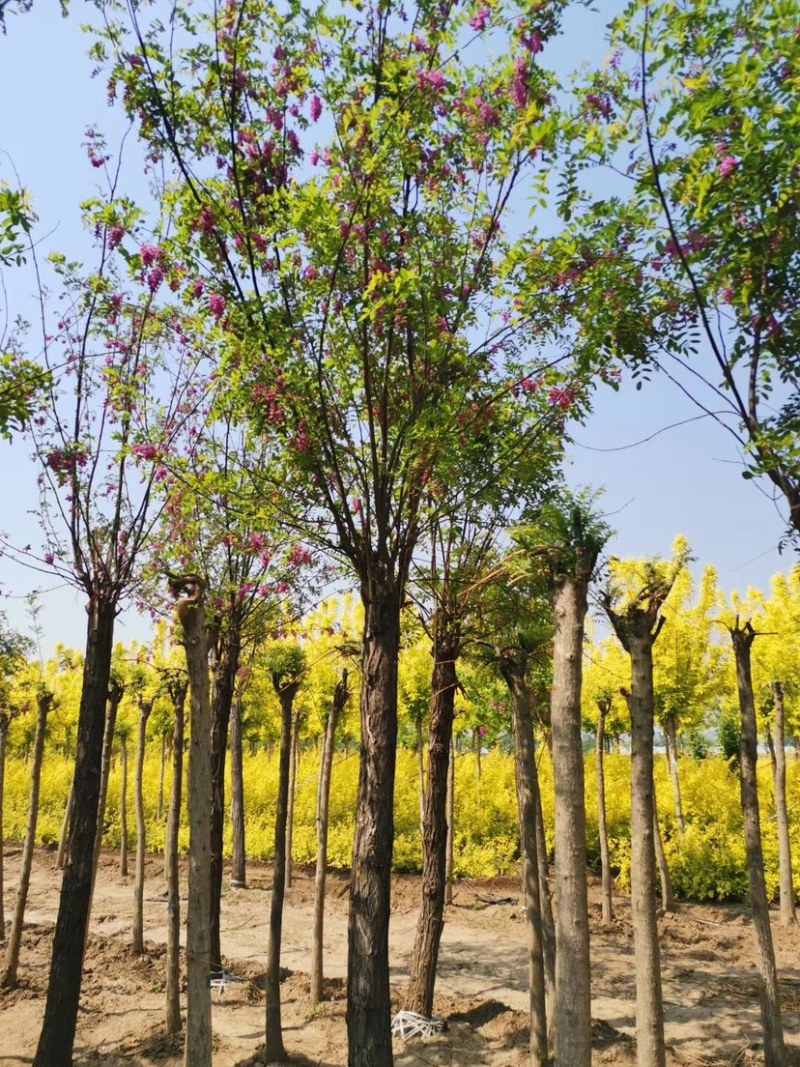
(299,557)
(432,78)
(145,451)
(727,166)
(480,21)
(562,398)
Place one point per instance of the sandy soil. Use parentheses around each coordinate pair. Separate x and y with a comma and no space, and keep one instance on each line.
(710,991)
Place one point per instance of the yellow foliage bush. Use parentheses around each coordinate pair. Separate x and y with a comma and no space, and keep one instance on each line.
(706,863)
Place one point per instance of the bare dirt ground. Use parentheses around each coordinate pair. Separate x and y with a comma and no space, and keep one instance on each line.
(710,990)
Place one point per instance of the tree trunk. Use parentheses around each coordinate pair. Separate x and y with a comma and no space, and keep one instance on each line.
(573,1021)
(160,812)
(115,694)
(274,1051)
(63,840)
(4,722)
(788,914)
(774,1051)
(145,707)
(369,1030)
(527,802)
(421,776)
(650,1050)
(239,864)
(173,976)
(605,864)
(64,985)
(8,979)
(664,877)
(292,787)
(430,923)
(197,1050)
(548,921)
(451,811)
(340,695)
(227,665)
(123,808)
(771,748)
(672,748)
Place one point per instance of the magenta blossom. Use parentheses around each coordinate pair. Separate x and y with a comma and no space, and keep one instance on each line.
(146,451)
(216,305)
(481,19)
(154,279)
(311,273)
(151,254)
(433,78)
(727,166)
(316,108)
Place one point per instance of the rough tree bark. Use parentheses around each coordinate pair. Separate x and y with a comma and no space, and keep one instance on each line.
(292,787)
(178,687)
(421,777)
(671,735)
(123,807)
(116,691)
(774,1050)
(788,913)
(603,708)
(527,802)
(369,1030)
(8,978)
(191,614)
(64,986)
(573,1016)
(274,1051)
(145,707)
(430,923)
(340,696)
(451,811)
(239,860)
(225,669)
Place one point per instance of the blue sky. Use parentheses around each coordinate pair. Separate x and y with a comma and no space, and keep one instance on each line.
(686,480)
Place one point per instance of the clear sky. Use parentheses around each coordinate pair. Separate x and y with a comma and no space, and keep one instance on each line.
(686,480)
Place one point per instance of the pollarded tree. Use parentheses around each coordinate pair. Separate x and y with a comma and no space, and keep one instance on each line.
(562,544)
(352,287)
(775,666)
(633,603)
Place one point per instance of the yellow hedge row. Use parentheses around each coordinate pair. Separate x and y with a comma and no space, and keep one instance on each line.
(707,862)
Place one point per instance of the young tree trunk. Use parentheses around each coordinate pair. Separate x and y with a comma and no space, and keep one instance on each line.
(430,923)
(145,707)
(123,808)
(605,864)
(274,1051)
(451,811)
(227,664)
(548,920)
(340,696)
(239,864)
(115,694)
(573,1022)
(527,802)
(650,1051)
(63,840)
(173,975)
(64,985)
(774,1051)
(4,723)
(292,787)
(664,877)
(369,1031)
(197,1050)
(671,736)
(160,812)
(8,978)
(788,914)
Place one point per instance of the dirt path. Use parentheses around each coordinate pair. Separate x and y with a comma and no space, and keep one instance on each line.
(710,992)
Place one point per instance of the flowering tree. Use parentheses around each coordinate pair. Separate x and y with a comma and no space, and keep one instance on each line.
(343,184)
(95,434)
(697,109)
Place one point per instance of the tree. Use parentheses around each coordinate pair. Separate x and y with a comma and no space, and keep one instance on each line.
(565,540)
(8,978)
(176,683)
(637,622)
(743,636)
